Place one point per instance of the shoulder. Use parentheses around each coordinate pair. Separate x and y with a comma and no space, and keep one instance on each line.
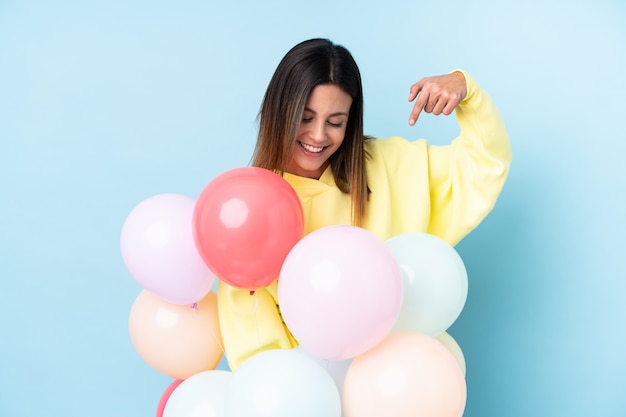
(394,146)
(383,144)
(394,156)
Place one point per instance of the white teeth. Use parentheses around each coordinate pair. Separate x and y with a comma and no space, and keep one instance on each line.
(310,148)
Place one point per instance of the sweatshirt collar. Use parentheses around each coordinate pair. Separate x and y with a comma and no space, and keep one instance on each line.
(309,186)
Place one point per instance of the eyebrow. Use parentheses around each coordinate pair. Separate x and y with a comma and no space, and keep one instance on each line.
(330,115)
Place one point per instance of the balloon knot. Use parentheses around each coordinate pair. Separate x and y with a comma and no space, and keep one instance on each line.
(251,292)
(194,307)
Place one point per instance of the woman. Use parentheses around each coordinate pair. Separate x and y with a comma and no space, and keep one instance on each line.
(311,132)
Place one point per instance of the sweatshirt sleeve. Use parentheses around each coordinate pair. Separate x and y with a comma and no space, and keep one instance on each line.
(467,176)
(250,323)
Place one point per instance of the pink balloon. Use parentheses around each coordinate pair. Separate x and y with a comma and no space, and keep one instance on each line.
(408,374)
(166,396)
(340,291)
(246,221)
(159,251)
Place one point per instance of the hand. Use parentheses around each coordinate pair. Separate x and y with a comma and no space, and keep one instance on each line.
(437,95)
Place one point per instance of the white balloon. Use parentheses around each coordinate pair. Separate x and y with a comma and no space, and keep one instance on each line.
(435,283)
(200,395)
(336,369)
(282,383)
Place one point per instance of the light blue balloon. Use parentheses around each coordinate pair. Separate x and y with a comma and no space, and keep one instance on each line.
(202,394)
(282,383)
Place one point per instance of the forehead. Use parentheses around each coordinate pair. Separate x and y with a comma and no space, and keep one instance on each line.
(328,97)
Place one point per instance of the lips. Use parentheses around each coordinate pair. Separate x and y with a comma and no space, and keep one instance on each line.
(312,149)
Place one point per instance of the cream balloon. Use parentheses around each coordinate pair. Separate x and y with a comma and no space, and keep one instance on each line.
(408,374)
(178,341)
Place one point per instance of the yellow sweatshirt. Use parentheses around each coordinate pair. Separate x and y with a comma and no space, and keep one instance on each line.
(442,190)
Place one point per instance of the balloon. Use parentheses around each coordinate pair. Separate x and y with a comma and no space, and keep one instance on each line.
(435,283)
(336,369)
(340,291)
(448,341)
(282,383)
(246,221)
(202,394)
(159,251)
(178,341)
(166,396)
(408,374)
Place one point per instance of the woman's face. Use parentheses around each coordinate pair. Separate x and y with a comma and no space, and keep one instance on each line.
(321,131)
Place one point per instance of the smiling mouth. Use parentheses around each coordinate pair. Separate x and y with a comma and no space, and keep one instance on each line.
(310,148)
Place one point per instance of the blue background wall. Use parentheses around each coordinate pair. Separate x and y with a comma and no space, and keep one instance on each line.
(106,103)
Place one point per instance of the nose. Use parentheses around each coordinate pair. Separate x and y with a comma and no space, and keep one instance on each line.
(318,132)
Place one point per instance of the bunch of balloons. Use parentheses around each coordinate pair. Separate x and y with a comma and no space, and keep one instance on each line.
(173,322)
(370,315)
(374,314)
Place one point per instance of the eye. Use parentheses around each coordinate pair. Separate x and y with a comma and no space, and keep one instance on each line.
(339,124)
(307,119)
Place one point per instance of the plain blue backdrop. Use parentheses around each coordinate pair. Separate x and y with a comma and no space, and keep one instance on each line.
(106,103)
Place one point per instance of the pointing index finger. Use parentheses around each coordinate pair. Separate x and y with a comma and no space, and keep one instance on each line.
(417,92)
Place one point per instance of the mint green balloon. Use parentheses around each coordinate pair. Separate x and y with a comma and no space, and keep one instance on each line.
(435,283)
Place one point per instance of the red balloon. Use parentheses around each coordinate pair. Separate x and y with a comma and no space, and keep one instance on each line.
(245,222)
(166,396)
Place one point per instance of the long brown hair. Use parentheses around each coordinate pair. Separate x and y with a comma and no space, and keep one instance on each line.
(305,66)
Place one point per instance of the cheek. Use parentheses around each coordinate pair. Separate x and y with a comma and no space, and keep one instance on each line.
(339,137)
(300,132)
